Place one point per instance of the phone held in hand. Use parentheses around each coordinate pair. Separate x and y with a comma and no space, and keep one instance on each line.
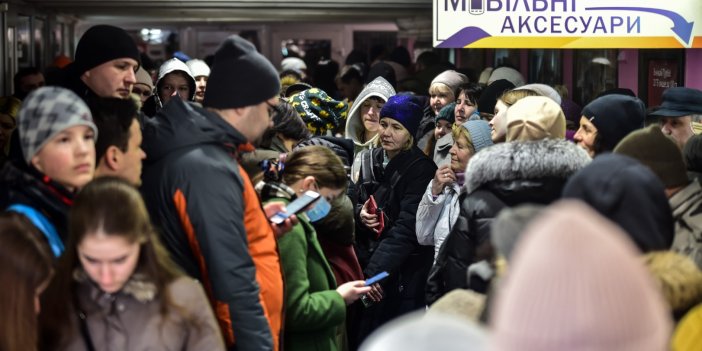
(365,299)
(376,278)
(295,207)
(373,209)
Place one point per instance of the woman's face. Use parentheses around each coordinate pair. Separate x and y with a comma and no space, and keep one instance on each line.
(440,97)
(442,128)
(460,153)
(370,113)
(174,83)
(464,108)
(7,125)
(585,136)
(393,136)
(109,260)
(69,157)
(498,123)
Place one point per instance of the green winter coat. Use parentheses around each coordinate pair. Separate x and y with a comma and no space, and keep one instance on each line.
(314,311)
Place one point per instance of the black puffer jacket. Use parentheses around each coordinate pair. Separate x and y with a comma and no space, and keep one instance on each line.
(396,249)
(504,175)
(31,188)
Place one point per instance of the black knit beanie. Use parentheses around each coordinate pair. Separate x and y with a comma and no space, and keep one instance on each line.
(615,116)
(103,43)
(488,99)
(240,76)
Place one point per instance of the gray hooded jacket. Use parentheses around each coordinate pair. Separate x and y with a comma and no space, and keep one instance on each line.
(379,88)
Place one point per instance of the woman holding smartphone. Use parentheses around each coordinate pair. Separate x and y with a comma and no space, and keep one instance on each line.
(315,308)
(395,175)
(116,288)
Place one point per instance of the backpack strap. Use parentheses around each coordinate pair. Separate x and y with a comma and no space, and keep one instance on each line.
(367,165)
(42,223)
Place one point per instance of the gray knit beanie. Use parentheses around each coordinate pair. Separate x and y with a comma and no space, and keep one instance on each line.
(479,131)
(46,112)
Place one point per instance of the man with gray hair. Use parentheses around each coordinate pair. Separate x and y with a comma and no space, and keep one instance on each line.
(680,108)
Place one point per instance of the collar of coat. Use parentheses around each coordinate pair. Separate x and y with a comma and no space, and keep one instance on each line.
(516,160)
(139,286)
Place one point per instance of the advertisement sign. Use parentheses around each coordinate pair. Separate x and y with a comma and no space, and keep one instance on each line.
(567,24)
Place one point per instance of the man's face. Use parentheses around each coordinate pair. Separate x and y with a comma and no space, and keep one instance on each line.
(31,82)
(679,128)
(134,155)
(113,78)
(257,118)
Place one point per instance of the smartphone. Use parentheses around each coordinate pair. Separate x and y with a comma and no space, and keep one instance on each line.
(376,278)
(295,207)
(476,7)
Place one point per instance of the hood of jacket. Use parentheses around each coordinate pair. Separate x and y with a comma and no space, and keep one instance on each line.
(32,188)
(170,66)
(630,195)
(342,147)
(524,164)
(678,277)
(379,88)
(182,125)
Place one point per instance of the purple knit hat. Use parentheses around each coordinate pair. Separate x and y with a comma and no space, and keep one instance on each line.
(405,110)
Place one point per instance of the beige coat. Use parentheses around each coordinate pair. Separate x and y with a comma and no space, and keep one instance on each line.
(131,320)
(687,211)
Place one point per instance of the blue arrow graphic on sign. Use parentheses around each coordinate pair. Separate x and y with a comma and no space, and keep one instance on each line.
(681,27)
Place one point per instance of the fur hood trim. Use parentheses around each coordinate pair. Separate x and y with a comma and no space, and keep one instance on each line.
(547,158)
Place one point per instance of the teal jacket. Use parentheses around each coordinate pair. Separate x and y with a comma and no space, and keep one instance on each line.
(314,311)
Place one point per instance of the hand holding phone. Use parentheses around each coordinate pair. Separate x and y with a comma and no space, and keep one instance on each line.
(295,207)
(376,278)
(373,209)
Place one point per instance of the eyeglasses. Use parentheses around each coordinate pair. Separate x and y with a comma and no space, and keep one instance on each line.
(273,109)
(139,91)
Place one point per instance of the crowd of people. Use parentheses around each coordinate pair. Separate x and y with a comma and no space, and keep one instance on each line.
(136,211)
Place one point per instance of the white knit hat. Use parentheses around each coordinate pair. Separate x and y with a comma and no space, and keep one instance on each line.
(451,79)
(576,283)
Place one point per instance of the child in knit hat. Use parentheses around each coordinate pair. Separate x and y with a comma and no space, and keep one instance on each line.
(443,123)
(578,289)
(442,90)
(57,137)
